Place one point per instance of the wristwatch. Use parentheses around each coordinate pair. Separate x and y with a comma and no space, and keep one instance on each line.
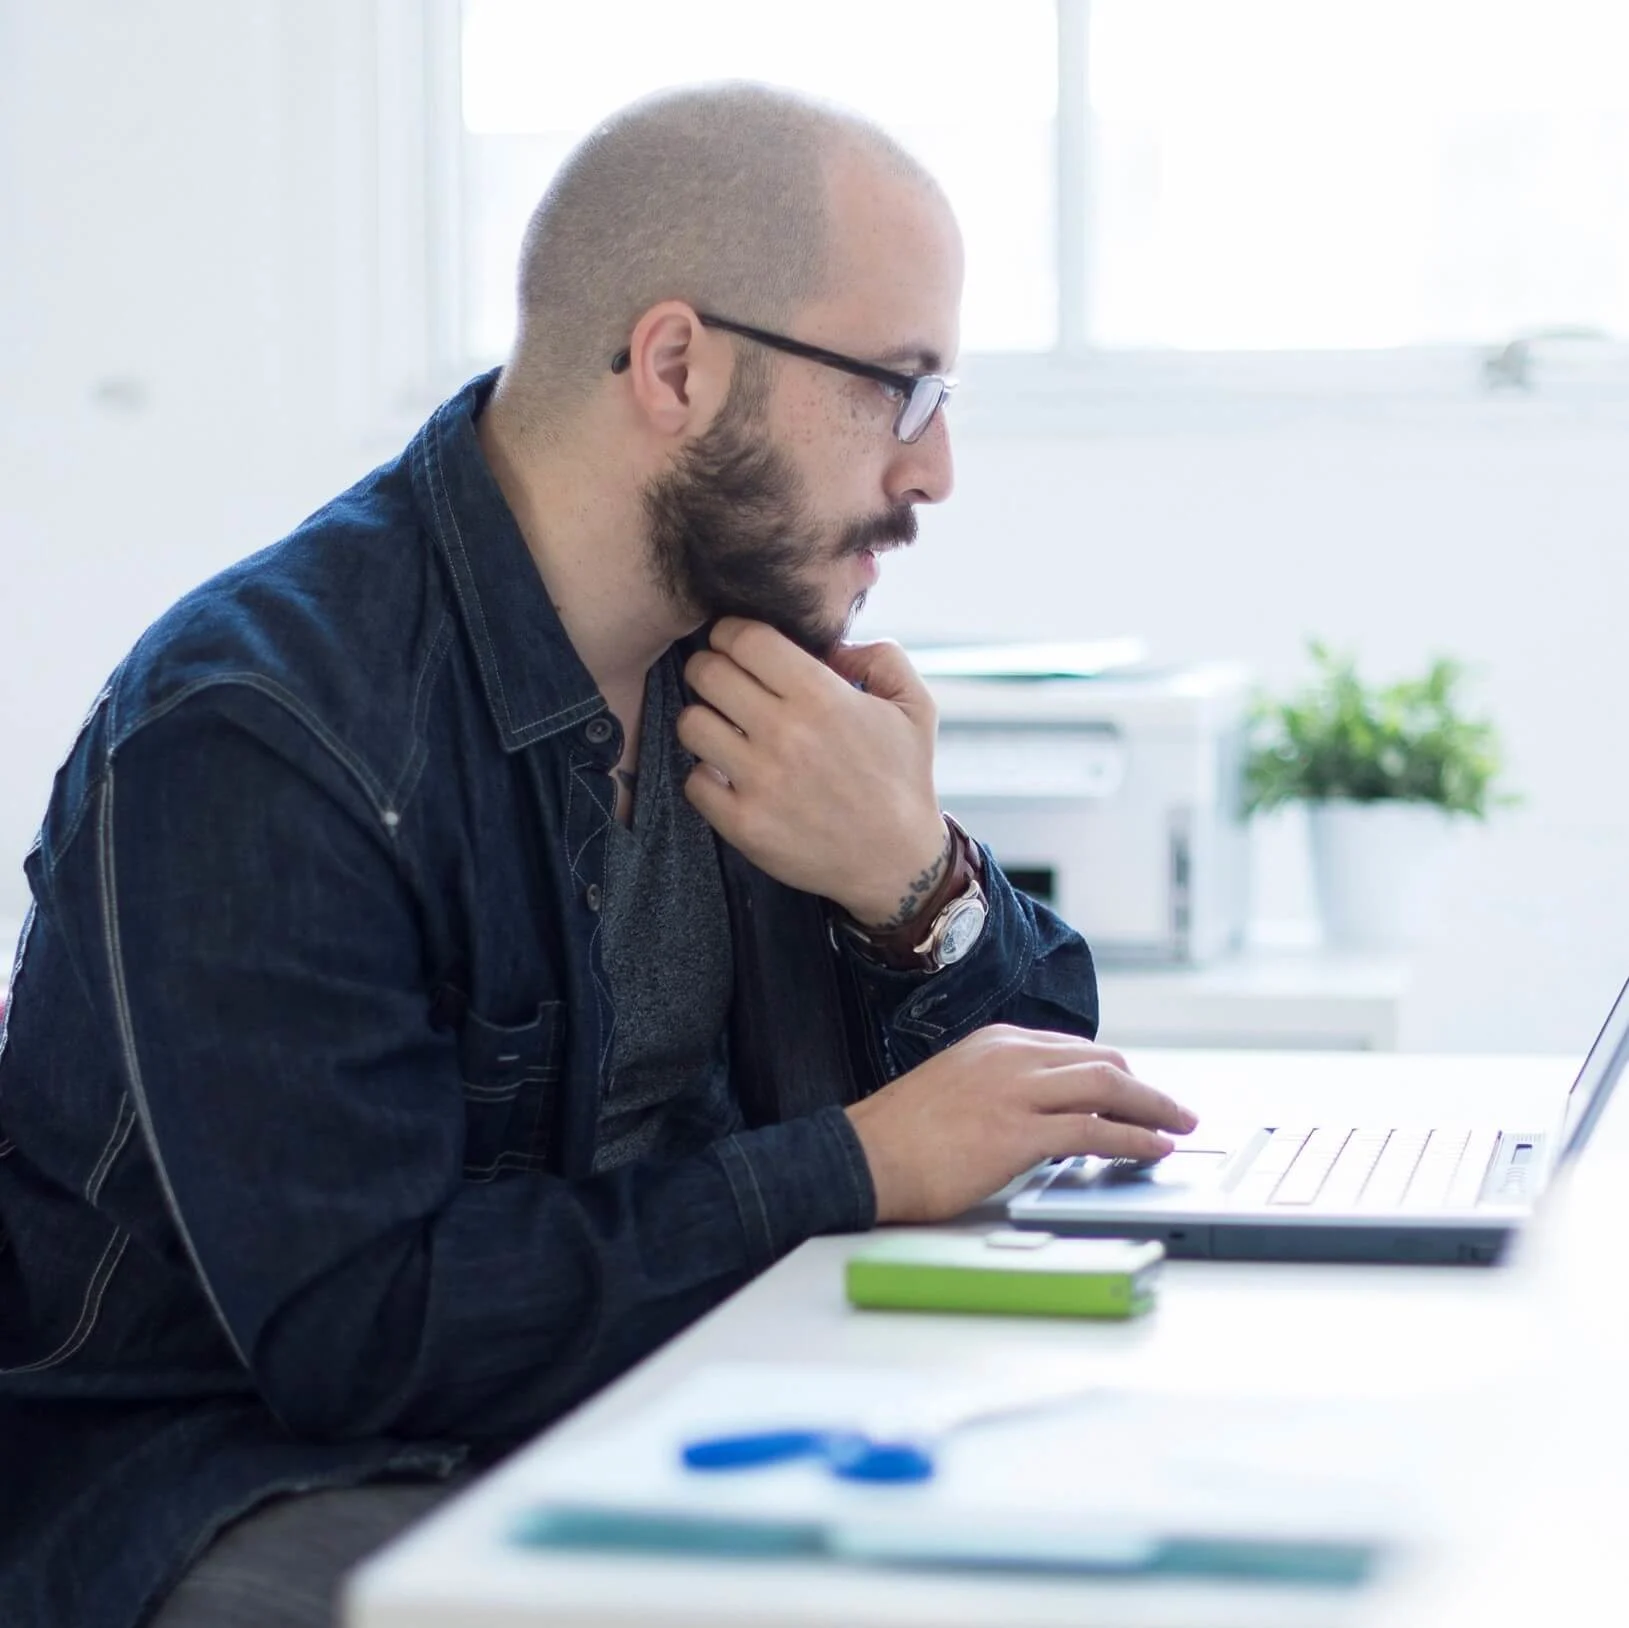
(947,926)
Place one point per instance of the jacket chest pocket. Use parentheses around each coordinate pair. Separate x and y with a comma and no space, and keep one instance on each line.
(510,1074)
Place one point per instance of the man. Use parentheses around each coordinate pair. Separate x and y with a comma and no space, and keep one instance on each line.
(474,936)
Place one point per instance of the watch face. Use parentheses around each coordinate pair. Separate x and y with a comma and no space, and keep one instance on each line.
(961,931)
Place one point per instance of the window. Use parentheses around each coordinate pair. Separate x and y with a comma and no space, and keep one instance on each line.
(1153,192)
(1274,175)
(968,86)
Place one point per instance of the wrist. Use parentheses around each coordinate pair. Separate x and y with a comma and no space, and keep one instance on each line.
(887,1179)
(947,923)
(892,912)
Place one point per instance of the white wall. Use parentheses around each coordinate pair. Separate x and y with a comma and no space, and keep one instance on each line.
(1505,545)
(185,356)
(183,341)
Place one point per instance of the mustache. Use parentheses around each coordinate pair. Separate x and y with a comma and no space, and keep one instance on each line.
(895,528)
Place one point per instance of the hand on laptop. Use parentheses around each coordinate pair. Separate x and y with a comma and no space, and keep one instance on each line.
(964,1123)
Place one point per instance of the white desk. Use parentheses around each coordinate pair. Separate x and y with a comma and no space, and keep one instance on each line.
(1541,1536)
(1292,1329)
(1259,998)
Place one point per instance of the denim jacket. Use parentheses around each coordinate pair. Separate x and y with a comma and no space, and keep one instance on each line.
(308,1030)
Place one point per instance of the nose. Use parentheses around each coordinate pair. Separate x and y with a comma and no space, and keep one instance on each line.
(924,471)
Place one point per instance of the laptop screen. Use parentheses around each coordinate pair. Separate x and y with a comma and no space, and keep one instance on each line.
(1606,1061)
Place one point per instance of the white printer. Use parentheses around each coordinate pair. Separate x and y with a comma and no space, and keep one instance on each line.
(1115,798)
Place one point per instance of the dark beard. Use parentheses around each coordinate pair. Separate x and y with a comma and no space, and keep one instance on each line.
(731,535)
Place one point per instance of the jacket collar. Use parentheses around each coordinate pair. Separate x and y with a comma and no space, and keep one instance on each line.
(536,684)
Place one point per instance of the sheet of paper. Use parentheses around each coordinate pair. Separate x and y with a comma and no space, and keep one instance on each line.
(1075,659)
(1118,1462)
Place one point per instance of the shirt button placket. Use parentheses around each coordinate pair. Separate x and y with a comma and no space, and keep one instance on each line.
(597,731)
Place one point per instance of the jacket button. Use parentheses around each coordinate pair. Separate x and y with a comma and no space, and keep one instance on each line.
(591,896)
(599,731)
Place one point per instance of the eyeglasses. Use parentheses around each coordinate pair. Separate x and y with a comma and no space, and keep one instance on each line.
(920,395)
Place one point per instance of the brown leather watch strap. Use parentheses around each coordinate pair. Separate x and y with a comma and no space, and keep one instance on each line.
(897,947)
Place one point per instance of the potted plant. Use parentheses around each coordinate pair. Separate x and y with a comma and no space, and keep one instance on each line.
(1383,771)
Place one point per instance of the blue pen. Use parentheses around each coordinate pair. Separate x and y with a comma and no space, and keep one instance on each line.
(853,1455)
(846,1453)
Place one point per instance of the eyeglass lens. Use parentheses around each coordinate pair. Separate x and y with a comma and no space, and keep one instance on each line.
(919,407)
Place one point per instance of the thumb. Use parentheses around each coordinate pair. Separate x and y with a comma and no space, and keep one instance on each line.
(884,670)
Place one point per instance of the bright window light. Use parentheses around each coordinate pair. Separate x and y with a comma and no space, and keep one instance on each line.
(1259,174)
(1274,174)
(967,86)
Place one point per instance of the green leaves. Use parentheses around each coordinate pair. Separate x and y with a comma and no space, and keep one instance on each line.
(1338,738)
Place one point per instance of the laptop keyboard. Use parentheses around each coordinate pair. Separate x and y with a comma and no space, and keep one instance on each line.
(1348,1168)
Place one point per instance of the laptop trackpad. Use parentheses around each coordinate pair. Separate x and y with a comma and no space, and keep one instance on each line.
(1184,1168)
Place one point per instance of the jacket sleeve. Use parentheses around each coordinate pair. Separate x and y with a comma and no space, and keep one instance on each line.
(1028,968)
(262,967)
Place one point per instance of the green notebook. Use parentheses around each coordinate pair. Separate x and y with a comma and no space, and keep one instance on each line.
(1022,1273)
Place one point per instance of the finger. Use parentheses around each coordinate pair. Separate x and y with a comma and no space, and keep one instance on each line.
(881,669)
(1107,1054)
(712,797)
(730,690)
(1065,1135)
(704,734)
(1174,1130)
(778,664)
(1101,1088)
(1056,1048)
(1061,1049)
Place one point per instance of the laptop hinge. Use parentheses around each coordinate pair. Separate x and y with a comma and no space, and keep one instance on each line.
(1518,1168)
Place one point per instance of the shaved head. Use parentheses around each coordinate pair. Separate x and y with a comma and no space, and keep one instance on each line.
(705,473)
(716,195)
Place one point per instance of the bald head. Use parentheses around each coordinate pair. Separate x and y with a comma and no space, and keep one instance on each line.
(721,196)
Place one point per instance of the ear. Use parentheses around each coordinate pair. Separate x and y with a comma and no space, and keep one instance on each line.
(678,372)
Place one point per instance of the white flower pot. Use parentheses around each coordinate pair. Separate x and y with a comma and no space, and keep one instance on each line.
(1374,870)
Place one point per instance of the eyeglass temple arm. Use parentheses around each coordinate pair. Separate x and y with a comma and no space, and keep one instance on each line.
(904,382)
(814,353)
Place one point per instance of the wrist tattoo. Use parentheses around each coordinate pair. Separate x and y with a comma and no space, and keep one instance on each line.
(922,884)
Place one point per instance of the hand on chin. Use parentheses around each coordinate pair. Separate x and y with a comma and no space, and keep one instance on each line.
(820,772)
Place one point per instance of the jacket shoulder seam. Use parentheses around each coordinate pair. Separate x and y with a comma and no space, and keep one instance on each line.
(372,788)
(125,1040)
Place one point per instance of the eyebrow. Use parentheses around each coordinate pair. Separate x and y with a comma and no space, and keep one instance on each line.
(927,359)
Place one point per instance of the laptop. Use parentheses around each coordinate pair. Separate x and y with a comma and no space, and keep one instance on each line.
(1295,1191)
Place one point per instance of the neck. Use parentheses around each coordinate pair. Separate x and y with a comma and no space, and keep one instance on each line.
(583,524)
